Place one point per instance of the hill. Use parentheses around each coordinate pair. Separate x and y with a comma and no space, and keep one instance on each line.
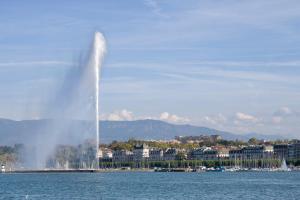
(19,131)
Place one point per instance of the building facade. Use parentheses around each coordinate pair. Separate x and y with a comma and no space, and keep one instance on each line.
(252,153)
(281,151)
(170,154)
(156,155)
(105,155)
(140,152)
(294,151)
(208,153)
(122,156)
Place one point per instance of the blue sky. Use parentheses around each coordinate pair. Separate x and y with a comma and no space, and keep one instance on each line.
(231,65)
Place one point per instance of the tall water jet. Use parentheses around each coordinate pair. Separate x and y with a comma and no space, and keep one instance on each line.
(95,61)
(70,136)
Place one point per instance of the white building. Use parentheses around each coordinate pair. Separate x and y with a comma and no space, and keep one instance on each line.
(105,153)
(140,152)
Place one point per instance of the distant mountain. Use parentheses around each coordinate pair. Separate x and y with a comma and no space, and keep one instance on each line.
(19,131)
(155,129)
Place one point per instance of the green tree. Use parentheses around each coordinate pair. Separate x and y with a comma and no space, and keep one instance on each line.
(180,156)
(253,141)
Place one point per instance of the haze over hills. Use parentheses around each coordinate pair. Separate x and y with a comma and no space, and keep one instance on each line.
(20,131)
(156,129)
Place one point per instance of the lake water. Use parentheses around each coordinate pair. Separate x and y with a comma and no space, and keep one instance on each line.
(135,185)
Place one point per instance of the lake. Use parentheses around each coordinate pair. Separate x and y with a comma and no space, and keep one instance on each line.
(150,185)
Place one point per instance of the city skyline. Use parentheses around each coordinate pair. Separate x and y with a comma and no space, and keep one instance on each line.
(228,65)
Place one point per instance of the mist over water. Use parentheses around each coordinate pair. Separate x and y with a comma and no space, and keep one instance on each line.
(73,112)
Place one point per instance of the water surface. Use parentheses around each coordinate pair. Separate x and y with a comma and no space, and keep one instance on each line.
(134,185)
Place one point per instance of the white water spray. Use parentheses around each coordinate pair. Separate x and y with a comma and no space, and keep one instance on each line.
(74,113)
(91,77)
(97,54)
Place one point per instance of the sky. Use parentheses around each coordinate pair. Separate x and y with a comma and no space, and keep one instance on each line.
(228,64)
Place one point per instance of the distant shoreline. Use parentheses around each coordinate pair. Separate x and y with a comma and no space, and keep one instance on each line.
(50,171)
(77,171)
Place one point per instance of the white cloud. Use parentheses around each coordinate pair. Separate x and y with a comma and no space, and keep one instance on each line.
(123,115)
(245,117)
(126,115)
(165,116)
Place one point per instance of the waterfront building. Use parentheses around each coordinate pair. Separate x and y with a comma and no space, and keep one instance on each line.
(210,154)
(222,153)
(122,156)
(258,152)
(207,153)
(252,152)
(294,151)
(156,155)
(170,154)
(198,154)
(281,151)
(100,153)
(236,154)
(105,155)
(195,154)
(140,152)
(105,152)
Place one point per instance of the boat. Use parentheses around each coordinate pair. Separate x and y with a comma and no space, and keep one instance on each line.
(215,169)
(3,169)
(199,169)
(162,170)
(178,170)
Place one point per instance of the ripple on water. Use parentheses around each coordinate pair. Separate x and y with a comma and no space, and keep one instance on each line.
(144,186)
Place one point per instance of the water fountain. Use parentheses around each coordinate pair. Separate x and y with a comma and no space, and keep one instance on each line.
(74,118)
(95,61)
